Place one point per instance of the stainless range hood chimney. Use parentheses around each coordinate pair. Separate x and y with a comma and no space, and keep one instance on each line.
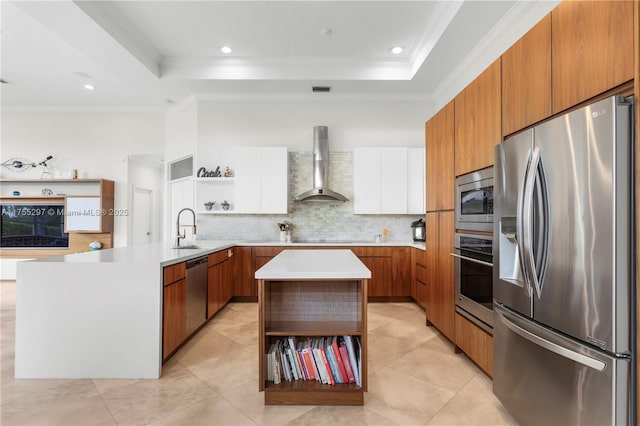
(320,192)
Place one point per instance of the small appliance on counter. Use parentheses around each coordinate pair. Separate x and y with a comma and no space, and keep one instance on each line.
(417,230)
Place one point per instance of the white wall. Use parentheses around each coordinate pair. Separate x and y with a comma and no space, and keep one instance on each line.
(270,121)
(95,143)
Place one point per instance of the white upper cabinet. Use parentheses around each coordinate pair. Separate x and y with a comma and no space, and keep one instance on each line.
(261,180)
(388,180)
(416,203)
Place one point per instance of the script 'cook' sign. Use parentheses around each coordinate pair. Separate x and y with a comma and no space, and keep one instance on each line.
(202,172)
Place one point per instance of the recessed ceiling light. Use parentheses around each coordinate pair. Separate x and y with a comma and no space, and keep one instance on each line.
(89,86)
(226,49)
(396,50)
(326,32)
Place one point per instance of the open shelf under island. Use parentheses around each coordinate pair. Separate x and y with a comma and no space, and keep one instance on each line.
(304,293)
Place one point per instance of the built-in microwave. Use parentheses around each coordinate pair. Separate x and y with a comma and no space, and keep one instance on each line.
(474,201)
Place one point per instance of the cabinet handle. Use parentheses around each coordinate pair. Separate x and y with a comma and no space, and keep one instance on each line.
(471,259)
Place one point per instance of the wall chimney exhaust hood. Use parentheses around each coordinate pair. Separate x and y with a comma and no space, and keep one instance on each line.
(320,192)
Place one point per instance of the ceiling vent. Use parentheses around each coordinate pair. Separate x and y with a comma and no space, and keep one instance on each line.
(321,89)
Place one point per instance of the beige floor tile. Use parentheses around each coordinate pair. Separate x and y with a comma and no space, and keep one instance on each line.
(376,320)
(7,294)
(403,398)
(89,411)
(209,412)
(246,334)
(341,415)
(384,349)
(149,400)
(439,343)
(228,370)
(27,395)
(466,410)
(250,401)
(398,311)
(413,334)
(453,371)
(204,346)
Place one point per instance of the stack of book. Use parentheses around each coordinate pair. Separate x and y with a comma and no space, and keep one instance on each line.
(330,360)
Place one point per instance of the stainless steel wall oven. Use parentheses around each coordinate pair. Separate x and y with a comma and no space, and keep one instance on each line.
(474,278)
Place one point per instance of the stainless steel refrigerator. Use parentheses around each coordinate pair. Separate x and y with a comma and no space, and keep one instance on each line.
(563,280)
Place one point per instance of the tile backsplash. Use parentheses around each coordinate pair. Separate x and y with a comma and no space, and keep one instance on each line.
(328,221)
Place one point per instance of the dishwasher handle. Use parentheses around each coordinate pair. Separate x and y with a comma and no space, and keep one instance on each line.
(197,261)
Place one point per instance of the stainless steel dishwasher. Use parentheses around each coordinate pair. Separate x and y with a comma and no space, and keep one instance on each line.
(196,293)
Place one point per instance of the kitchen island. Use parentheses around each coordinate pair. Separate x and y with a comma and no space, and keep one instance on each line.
(95,314)
(305,294)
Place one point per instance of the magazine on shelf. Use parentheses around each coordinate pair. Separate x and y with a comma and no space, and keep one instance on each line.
(353,358)
(336,353)
(345,360)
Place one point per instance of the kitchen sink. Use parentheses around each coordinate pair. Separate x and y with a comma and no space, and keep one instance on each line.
(189,247)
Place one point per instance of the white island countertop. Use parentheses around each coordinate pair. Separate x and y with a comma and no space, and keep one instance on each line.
(313,265)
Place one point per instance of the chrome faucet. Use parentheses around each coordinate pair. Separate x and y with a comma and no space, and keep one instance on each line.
(178,226)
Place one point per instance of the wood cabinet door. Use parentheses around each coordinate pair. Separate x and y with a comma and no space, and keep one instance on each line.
(475,342)
(213,290)
(526,79)
(226,283)
(446,273)
(591,48)
(477,121)
(439,152)
(381,282)
(431,267)
(243,284)
(174,316)
(401,274)
(440,289)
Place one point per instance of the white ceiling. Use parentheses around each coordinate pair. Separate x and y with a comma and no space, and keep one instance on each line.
(151,54)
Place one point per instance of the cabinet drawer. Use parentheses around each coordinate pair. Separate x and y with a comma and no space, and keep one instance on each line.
(217,257)
(174,273)
(421,273)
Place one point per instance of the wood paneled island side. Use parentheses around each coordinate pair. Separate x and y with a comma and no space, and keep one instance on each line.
(306,294)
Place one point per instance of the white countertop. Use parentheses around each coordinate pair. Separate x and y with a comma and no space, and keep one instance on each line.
(162,253)
(314,264)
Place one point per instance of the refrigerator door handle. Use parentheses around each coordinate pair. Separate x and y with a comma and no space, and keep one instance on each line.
(519,237)
(527,201)
(553,347)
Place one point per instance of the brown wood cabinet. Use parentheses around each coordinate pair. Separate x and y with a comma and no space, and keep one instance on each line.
(242,273)
(174,308)
(439,149)
(592,49)
(475,342)
(390,266)
(477,121)
(390,270)
(440,292)
(306,309)
(526,79)
(31,190)
(219,282)
(419,277)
